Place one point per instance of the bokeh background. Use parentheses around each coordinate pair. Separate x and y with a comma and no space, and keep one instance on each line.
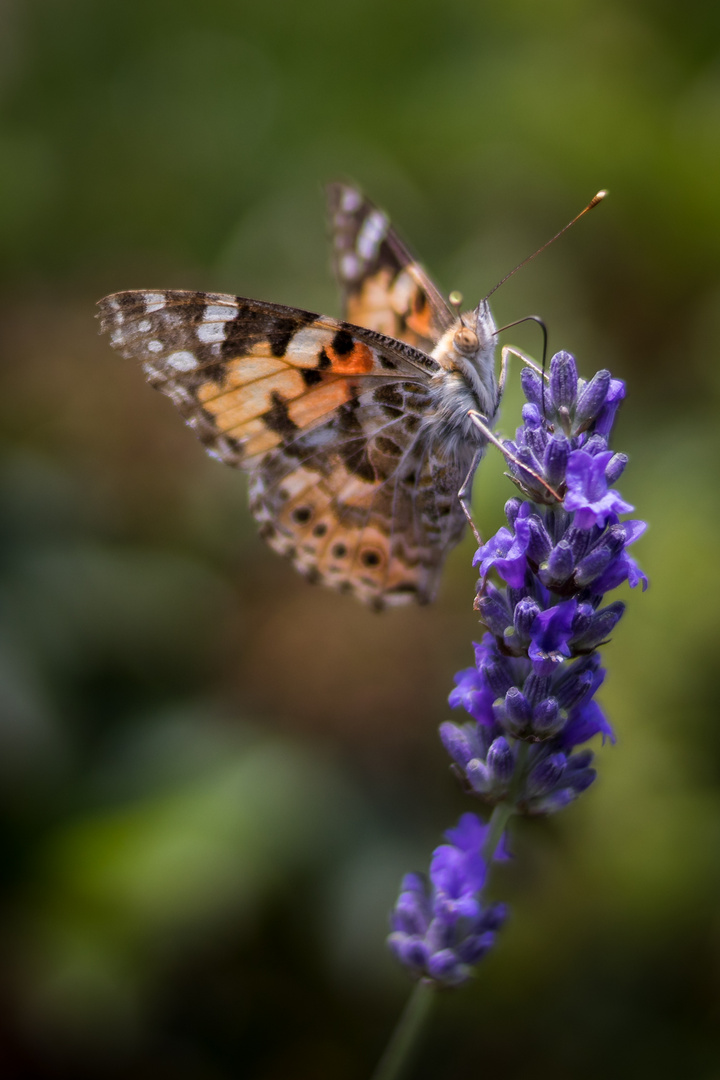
(212,776)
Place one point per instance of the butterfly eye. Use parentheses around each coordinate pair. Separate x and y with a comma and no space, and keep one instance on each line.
(466,340)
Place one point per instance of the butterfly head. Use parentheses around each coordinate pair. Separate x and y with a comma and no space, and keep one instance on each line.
(469,341)
(466,354)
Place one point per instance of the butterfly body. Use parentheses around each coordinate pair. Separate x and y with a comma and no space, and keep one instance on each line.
(355,434)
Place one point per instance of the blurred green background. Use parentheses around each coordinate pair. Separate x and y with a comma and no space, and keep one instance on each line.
(212,776)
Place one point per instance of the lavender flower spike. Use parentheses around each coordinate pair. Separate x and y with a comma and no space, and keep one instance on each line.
(530,694)
(440,926)
(539,668)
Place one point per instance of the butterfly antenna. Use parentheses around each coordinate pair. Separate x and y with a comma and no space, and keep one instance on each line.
(541,324)
(593,202)
(543,327)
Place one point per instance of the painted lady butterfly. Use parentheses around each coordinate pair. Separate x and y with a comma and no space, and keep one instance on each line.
(355,434)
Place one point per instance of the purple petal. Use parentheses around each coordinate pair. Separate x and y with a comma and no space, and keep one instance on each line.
(585,722)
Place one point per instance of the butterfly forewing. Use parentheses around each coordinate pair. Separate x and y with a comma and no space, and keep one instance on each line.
(384,287)
(325,417)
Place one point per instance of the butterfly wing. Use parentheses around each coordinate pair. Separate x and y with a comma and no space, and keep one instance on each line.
(327,419)
(384,287)
(363,503)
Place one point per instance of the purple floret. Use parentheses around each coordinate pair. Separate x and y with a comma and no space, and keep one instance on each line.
(588,493)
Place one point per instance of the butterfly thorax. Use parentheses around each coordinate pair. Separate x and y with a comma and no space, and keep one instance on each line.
(466,381)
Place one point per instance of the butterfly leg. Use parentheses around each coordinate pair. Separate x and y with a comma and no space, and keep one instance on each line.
(465,493)
(507,352)
(481,424)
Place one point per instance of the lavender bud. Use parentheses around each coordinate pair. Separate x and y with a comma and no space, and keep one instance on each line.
(515,596)
(495,614)
(581,780)
(537,441)
(497,678)
(580,760)
(555,460)
(550,804)
(478,775)
(606,416)
(547,719)
(512,508)
(579,541)
(532,418)
(559,566)
(583,620)
(615,467)
(526,458)
(592,399)
(525,469)
(545,775)
(563,380)
(596,444)
(500,759)
(573,689)
(494,917)
(532,386)
(517,708)
(536,688)
(557,523)
(540,543)
(526,611)
(473,948)
(445,967)
(600,626)
(457,742)
(592,566)
(601,556)
(410,951)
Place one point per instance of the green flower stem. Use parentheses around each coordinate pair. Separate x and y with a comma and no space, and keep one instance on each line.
(404,1041)
(498,820)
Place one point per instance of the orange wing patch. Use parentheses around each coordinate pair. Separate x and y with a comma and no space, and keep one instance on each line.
(348,356)
(336,351)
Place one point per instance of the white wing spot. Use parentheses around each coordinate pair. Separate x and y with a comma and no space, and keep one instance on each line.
(182,361)
(350,200)
(350,266)
(117,337)
(155,346)
(180,396)
(153,302)
(144,326)
(371,234)
(211,331)
(218,311)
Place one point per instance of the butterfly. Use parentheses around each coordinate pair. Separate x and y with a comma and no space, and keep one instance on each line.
(355,433)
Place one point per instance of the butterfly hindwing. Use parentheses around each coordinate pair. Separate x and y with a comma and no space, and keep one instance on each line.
(384,287)
(362,503)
